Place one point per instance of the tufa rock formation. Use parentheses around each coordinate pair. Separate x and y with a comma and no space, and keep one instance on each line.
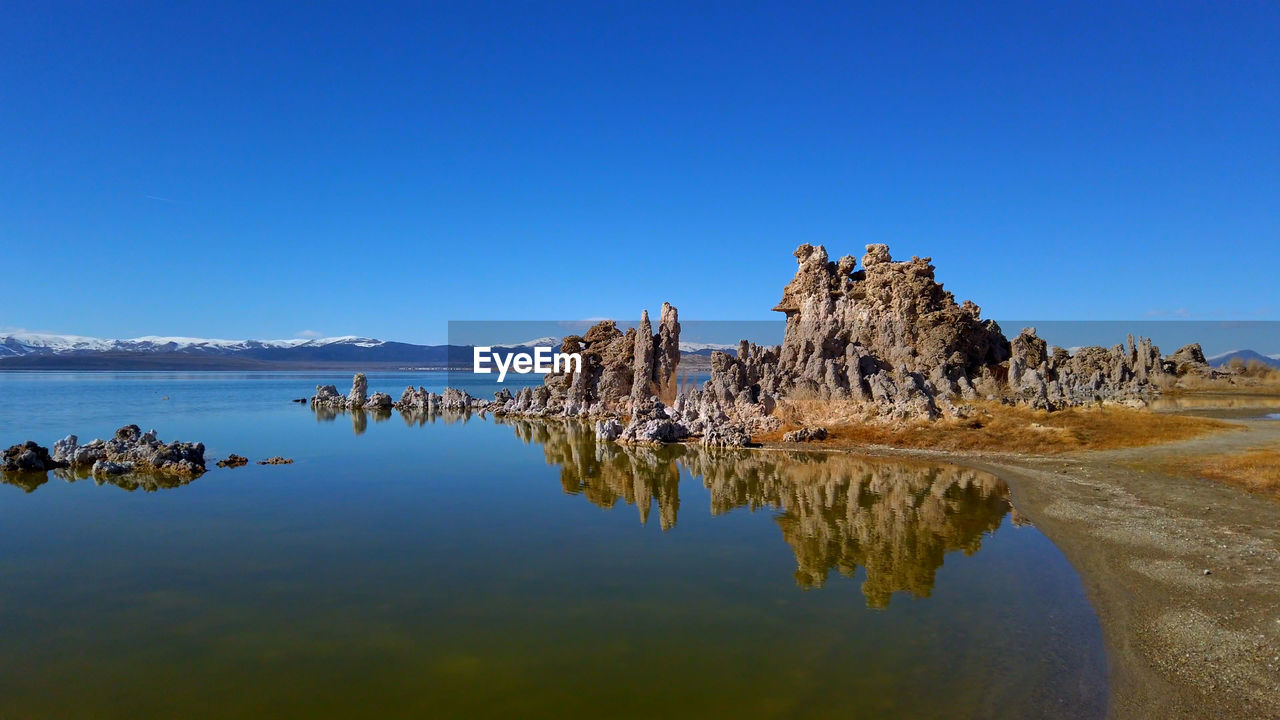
(621,372)
(233,461)
(131,451)
(28,458)
(358,398)
(891,343)
(884,343)
(1051,380)
(1189,360)
(807,434)
(277,460)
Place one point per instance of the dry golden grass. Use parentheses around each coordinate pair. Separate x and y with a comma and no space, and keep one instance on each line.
(1001,428)
(1256,470)
(1246,377)
(1254,369)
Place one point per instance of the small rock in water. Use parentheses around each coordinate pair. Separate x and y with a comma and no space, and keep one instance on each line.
(299,400)
(233,461)
(277,460)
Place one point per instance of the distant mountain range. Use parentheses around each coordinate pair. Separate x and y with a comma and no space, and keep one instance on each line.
(1245,355)
(37,351)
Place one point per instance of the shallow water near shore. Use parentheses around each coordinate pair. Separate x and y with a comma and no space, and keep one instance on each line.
(414,566)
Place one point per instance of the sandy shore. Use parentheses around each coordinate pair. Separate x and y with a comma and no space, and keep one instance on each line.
(1180,643)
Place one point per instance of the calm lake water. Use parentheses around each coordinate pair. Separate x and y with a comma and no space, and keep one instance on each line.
(467,567)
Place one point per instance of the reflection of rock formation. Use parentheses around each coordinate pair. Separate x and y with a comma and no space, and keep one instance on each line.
(28,481)
(898,520)
(130,481)
(895,519)
(604,472)
(359,416)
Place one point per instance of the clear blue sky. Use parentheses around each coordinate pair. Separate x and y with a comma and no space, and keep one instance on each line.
(254,170)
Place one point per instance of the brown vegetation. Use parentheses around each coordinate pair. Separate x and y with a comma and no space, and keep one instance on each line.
(1247,377)
(1253,368)
(1001,428)
(1256,470)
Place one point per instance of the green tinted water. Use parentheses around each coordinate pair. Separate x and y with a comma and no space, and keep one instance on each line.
(451,567)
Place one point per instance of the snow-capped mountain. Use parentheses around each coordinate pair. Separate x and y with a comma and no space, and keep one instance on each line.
(20,344)
(49,351)
(41,351)
(705,348)
(1244,355)
(545,341)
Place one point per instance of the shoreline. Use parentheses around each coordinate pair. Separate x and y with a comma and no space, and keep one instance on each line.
(1179,643)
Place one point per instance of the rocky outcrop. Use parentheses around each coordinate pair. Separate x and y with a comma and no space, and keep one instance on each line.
(277,460)
(884,343)
(359,390)
(652,424)
(808,434)
(608,429)
(1054,379)
(1190,360)
(378,401)
(725,435)
(28,457)
(889,343)
(327,396)
(233,461)
(418,399)
(131,451)
(630,373)
(621,371)
(358,398)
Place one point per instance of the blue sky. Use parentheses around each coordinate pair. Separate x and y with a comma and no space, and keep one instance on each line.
(256,170)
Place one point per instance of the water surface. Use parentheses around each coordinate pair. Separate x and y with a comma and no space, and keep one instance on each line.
(449,566)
